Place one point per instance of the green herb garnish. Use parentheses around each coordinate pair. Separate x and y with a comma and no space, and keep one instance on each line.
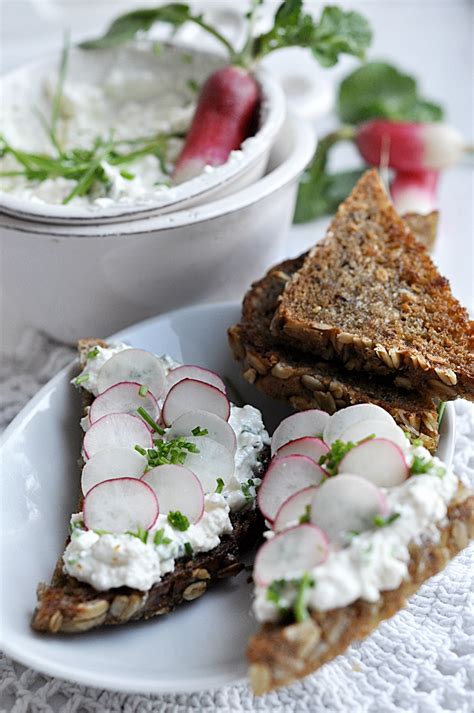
(142,391)
(307,515)
(246,489)
(160,539)
(275,591)
(178,520)
(331,460)
(140,533)
(220,485)
(198,431)
(103,532)
(93,353)
(422,465)
(300,609)
(146,417)
(81,379)
(173,451)
(380,521)
(188,549)
(441,410)
(140,450)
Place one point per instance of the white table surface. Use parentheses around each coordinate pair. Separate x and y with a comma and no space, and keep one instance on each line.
(432,38)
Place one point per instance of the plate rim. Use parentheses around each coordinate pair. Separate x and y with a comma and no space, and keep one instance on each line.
(121,683)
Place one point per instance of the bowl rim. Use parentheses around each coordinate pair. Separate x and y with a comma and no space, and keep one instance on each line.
(274,100)
(305,140)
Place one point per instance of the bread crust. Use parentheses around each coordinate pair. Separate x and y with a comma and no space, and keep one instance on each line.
(308,382)
(370,296)
(281,654)
(69,606)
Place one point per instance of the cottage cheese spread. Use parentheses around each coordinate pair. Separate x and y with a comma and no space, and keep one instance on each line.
(376,560)
(114,560)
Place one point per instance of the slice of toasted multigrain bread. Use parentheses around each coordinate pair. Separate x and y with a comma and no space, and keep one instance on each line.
(307,382)
(280,653)
(69,606)
(370,296)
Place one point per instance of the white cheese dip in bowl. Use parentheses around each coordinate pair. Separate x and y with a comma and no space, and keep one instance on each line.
(120,96)
(72,281)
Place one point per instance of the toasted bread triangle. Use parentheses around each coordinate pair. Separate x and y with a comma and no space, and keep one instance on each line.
(370,293)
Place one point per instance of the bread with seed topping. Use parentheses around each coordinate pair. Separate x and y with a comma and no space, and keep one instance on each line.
(369,296)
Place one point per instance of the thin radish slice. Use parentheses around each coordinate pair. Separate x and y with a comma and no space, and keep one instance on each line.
(378,460)
(217,429)
(284,477)
(213,461)
(378,429)
(307,446)
(341,420)
(197,373)
(347,503)
(135,365)
(110,463)
(291,553)
(305,423)
(116,429)
(125,397)
(120,505)
(189,395)
(297,506)
(177,488)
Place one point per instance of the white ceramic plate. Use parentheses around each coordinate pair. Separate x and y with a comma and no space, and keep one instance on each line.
(200,645)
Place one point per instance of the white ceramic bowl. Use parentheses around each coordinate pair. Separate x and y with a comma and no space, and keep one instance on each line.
(73,281)
(22,91)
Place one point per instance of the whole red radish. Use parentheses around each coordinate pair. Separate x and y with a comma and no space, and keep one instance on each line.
(225,116)
(407,146)
(415,191)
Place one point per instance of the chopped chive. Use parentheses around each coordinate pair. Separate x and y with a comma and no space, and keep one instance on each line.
(220,485)
(178,520)
(380,521)
(102,532)
(127,175)
(441,410)
(93,353)
(188,549)
(160,539)
(140,533)
(198,431)
(81,379)
(141,450)
(307,515)
(143,390)
(300,608)
(146,417)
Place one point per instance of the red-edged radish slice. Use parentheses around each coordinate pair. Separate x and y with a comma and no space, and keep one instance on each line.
(298,425)
(378,460)
(124,398)
(194,372)
(217,429)
(116,429)
(297,506)
(110,463)
(284,477)
(189,395)
(291,553)
(307,446)
(135,365)
(213,461)
(341,420)
(120,505)
(378,429)
(177,488)
(347,503)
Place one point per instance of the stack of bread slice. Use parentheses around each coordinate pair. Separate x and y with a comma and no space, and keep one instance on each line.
(364,316)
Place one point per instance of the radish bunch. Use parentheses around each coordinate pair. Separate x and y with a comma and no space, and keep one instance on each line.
(309,510)
(141,417)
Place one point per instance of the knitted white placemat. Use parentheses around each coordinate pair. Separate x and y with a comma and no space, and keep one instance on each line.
(420,661)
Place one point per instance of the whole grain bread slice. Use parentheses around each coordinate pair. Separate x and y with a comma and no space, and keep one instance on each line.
(308,382)
(280,654)
(370,296)
(69,606)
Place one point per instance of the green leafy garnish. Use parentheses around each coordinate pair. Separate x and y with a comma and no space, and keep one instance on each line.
(150,421)
(188,549)
(275,591)
(198,431)
(378,89)
(81,379)
(300,608)
(331,460)
(178,520)
(160,539)
(380,521)
(422,465)
(142,391)
(220,485)
(93,353)
(441,410)
(140,533)
(166,452)
(106,532)
(246,489)
(307,515)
